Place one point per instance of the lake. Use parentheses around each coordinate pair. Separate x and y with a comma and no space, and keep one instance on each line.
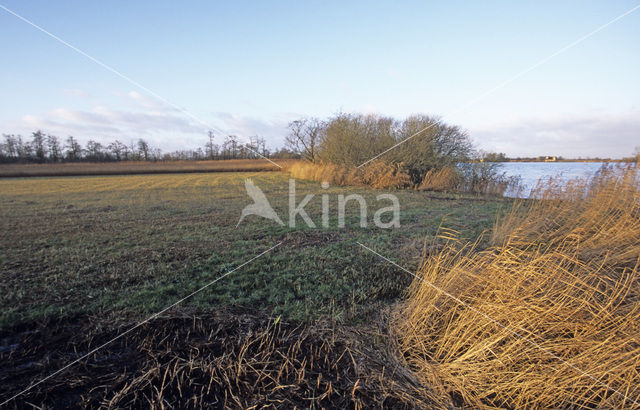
(532,172)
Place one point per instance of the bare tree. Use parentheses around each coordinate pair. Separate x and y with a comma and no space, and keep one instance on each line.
(11,147)
(304,137)
(143,149)
(230,147)
(55,152)
(37,142)
(73,149)
(118,150)
(210,146)
(95,151)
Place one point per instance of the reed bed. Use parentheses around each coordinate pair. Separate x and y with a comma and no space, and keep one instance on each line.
(470,178)
(377,174)
(443,179)
(549,316)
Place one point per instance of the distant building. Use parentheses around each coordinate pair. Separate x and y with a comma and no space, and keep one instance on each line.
(550,159)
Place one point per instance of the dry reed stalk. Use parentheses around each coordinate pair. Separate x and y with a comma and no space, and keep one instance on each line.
(443,179)
(564,276)
(219,359)
(377,174)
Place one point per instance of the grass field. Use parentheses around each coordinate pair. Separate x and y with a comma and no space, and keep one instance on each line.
(133,243)
(93,254)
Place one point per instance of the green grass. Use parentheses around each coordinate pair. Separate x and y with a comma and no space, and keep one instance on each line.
(130,245)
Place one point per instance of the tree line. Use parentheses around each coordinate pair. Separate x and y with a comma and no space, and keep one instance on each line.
(345,139)
(423,143)
(47,148)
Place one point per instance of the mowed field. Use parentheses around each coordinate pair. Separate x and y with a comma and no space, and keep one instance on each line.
(102,252)
(139,167)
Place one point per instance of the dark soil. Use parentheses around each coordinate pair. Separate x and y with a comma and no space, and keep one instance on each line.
(222,359)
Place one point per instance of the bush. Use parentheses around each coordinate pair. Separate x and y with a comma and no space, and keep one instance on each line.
(485,178)
(353,139)
(478,178)
(430,144)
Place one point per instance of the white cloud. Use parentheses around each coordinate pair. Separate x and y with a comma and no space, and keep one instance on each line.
(273,130)
(149,102)
(168,130)
(596,134)
(142,116)
(138,116)
(105,118)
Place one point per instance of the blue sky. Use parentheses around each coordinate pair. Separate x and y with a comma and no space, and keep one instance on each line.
(250,67)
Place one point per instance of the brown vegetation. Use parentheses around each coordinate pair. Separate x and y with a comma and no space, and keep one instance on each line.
(549,316)
(477,178)
(224,359)
(377,174)
(417,143)
(472,178)
(138,167)
(443,179)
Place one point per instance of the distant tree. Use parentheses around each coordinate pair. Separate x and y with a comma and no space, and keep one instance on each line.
(118,150)
(494,157)
(73,149)
(304,137)
(143,149)
(55,151)
(285,153)
(155,154)
(94,151)
(233,142)
(230,147)
(24,150)
(37,143)
(10,148)
(4,152)
(211,147)
(262,147)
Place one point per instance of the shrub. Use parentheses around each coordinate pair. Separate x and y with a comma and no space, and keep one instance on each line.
(419,142)
(478,178)
(486,178)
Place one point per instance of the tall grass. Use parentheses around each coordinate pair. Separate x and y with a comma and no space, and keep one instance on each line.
(443,179)
(561,286)
(377,174)
(481,178)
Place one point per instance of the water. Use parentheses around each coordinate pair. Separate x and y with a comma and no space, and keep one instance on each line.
(532,172)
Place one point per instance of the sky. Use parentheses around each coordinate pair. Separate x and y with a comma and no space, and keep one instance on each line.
(250,67)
